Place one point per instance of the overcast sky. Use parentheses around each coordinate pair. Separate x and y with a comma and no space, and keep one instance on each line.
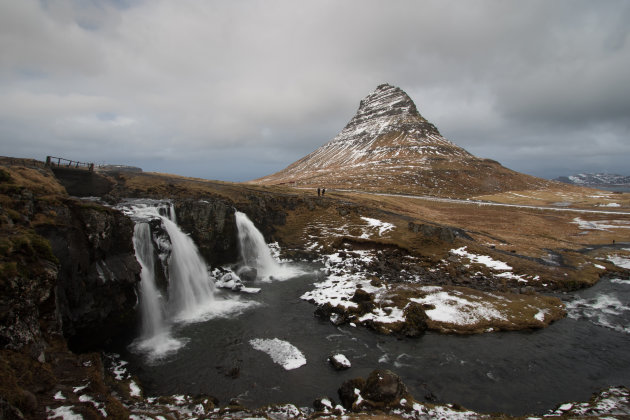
(234,90)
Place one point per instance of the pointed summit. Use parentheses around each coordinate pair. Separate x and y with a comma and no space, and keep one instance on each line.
(389,147)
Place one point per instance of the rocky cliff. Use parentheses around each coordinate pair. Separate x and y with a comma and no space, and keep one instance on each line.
(66,262)
(96,283)
(389,147)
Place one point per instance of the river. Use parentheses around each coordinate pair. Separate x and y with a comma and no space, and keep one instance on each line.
(512,372)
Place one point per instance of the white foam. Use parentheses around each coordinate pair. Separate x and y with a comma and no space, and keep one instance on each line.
(281,352)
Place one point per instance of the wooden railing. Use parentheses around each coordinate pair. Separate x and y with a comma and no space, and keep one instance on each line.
(53,161)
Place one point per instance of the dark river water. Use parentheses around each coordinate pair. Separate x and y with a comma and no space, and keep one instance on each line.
(516,372)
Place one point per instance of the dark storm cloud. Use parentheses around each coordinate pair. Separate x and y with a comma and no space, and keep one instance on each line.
(236,90)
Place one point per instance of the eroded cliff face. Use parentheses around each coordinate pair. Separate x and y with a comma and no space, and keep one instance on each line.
(66,265)
(96,285)
(211,225)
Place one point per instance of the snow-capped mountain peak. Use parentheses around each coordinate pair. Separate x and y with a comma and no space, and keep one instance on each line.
(389,146)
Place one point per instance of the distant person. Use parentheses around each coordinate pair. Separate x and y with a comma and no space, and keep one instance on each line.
(323,191)
(318,192)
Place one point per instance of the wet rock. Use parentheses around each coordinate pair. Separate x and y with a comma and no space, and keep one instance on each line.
(247,273)
(347,394)
(211,225)
(324,404)
(383,389)
(339,362)
(336,315)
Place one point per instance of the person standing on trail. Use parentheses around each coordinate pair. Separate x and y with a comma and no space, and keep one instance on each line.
(318,191)
(323,191)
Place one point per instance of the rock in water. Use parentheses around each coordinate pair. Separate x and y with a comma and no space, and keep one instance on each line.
(383,389)
(339,362)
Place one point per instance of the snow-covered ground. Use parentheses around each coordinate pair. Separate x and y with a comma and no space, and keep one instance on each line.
(448,308)
(601,224)
(453,307)
(502,269)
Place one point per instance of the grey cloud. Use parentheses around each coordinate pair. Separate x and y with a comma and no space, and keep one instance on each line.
(192,87)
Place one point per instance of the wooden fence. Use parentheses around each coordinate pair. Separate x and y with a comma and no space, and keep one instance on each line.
(53,161)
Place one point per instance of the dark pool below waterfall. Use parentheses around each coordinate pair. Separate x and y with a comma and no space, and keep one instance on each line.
(515,372)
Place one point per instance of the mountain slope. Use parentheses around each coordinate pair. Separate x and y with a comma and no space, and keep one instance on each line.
(389,147)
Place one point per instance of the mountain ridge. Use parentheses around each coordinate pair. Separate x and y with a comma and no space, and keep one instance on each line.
(595,179)
(388,146)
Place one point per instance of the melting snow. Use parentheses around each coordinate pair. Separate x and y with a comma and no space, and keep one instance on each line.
(601,224)
(63,412)
(380,225)
(453,309)
(281,352)
(341,360)
(619,261)
(482,259)
(134,389)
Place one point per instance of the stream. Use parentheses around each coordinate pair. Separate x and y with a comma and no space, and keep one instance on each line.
(512,372)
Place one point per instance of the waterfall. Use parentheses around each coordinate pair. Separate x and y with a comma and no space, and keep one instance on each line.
(151,305)
(190,293)
(190,289)
(155,338)
(256,253)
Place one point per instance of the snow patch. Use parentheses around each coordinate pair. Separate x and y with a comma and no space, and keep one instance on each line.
(620,261)
(601,224)
(63,412)
(134,389)
(453,309)
(482,259)
(341,360)
(281,352)
(382,227)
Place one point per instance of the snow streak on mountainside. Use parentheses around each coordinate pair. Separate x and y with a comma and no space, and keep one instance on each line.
(595,179)
(389,146)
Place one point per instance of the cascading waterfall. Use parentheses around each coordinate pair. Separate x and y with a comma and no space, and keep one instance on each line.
(155,338)
(256,253)
(191,292)
(190,289)
(151,304)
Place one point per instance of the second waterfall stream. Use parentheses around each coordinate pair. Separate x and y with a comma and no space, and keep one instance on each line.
(256,253)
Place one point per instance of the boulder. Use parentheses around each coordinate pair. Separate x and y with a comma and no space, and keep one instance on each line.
(247,273)
(415,320)
(339,362)
(383,389)
(347,394)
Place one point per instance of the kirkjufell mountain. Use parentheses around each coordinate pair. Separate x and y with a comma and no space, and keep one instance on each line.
(389,147)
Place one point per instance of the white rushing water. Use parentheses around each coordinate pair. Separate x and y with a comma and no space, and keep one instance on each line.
(191,292)
(256,253)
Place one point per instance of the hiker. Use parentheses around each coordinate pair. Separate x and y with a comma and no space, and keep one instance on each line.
(323,191)
(318,191)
